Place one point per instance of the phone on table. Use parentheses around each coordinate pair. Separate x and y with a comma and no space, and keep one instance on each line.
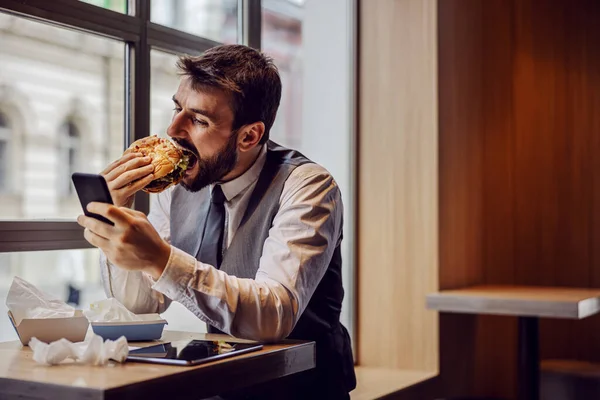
(92,187)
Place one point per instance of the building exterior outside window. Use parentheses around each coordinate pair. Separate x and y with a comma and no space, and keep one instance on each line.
(70,154)
(5,136)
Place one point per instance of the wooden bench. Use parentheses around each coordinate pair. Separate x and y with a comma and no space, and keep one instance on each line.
(569,380)
(377,383)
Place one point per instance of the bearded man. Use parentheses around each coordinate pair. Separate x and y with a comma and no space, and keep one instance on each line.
(249,240)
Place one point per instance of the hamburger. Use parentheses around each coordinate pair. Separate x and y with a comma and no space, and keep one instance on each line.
(169,160)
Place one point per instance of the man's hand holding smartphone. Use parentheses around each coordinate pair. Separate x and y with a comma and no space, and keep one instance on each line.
(125,236)
(131,243)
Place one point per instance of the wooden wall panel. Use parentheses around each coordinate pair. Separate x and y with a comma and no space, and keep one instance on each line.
(460,181)
(498,220)
(591,78)
(519,143)
(461,157)
(397,194)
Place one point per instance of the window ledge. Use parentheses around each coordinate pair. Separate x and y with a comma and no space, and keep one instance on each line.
(375,383)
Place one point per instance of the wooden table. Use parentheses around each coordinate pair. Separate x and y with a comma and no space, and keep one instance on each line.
(529,304)
(21,377)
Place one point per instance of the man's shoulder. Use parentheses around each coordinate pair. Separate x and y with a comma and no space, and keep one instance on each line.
(304,166)
(278,154)
(311,170)
(306,177)
(310,179)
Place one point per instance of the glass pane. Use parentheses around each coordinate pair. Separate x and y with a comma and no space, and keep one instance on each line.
(314,60)
(211,19)
(115,5)
(163,85)
(282,40)
(70,275)
(54,82)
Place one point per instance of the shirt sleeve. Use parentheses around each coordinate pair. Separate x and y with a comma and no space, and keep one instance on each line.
(296,254)
(134,288)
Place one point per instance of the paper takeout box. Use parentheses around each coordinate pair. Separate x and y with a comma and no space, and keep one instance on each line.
(48,330)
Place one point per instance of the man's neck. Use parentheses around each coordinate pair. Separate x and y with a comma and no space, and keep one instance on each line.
(245,161)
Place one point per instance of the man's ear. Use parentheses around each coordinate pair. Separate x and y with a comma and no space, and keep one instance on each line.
(250,136)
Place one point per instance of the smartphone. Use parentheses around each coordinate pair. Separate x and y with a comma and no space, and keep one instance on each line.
(92,187)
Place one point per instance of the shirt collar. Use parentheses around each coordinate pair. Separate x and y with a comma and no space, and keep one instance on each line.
(236,186)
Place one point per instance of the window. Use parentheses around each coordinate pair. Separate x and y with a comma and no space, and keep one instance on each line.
(96,75)
(82,75)
(5,136)
(83,96)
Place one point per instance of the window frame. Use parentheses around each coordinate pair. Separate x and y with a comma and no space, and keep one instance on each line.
(139,36)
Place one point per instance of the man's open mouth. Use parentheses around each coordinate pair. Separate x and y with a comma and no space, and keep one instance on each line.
(187,150)
(192,159)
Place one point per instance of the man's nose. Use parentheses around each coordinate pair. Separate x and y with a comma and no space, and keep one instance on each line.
(175,129)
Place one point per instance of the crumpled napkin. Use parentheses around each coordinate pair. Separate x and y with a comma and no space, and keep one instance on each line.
(111,310)
(93,351)
(26,301)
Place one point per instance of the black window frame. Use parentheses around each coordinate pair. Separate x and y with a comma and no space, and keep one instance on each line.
(140,36)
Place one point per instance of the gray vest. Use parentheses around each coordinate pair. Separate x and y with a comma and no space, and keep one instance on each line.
(320,320)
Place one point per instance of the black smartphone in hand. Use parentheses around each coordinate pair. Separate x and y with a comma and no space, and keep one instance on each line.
(92,187)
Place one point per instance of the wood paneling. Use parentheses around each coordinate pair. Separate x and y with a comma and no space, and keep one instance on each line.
(460,157)
(460,181)
(397,195)
(519,94)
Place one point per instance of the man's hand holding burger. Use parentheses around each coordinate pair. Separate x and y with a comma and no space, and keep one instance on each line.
(126,176)
(150,164)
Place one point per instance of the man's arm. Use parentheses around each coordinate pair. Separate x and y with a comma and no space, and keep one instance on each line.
(296,255)
(134,288)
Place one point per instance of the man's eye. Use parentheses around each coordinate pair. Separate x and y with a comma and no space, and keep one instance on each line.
(177,109)
(196,121)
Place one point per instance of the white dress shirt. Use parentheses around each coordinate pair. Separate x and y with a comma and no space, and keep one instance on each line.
(296,254)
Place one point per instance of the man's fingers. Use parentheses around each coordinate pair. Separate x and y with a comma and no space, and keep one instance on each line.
(98,227)
(109,211)
(122,160)
(132,188)
(134,213)
(128,165)
(131,176)
(95,240)
(141,183)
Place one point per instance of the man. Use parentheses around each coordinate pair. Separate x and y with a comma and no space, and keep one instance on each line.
(249,241)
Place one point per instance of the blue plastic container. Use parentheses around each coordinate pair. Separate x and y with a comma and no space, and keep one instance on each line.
(132,330)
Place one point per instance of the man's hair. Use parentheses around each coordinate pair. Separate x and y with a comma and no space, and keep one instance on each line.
(249,77)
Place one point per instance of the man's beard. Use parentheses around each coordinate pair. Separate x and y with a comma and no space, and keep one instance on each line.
(213,169)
